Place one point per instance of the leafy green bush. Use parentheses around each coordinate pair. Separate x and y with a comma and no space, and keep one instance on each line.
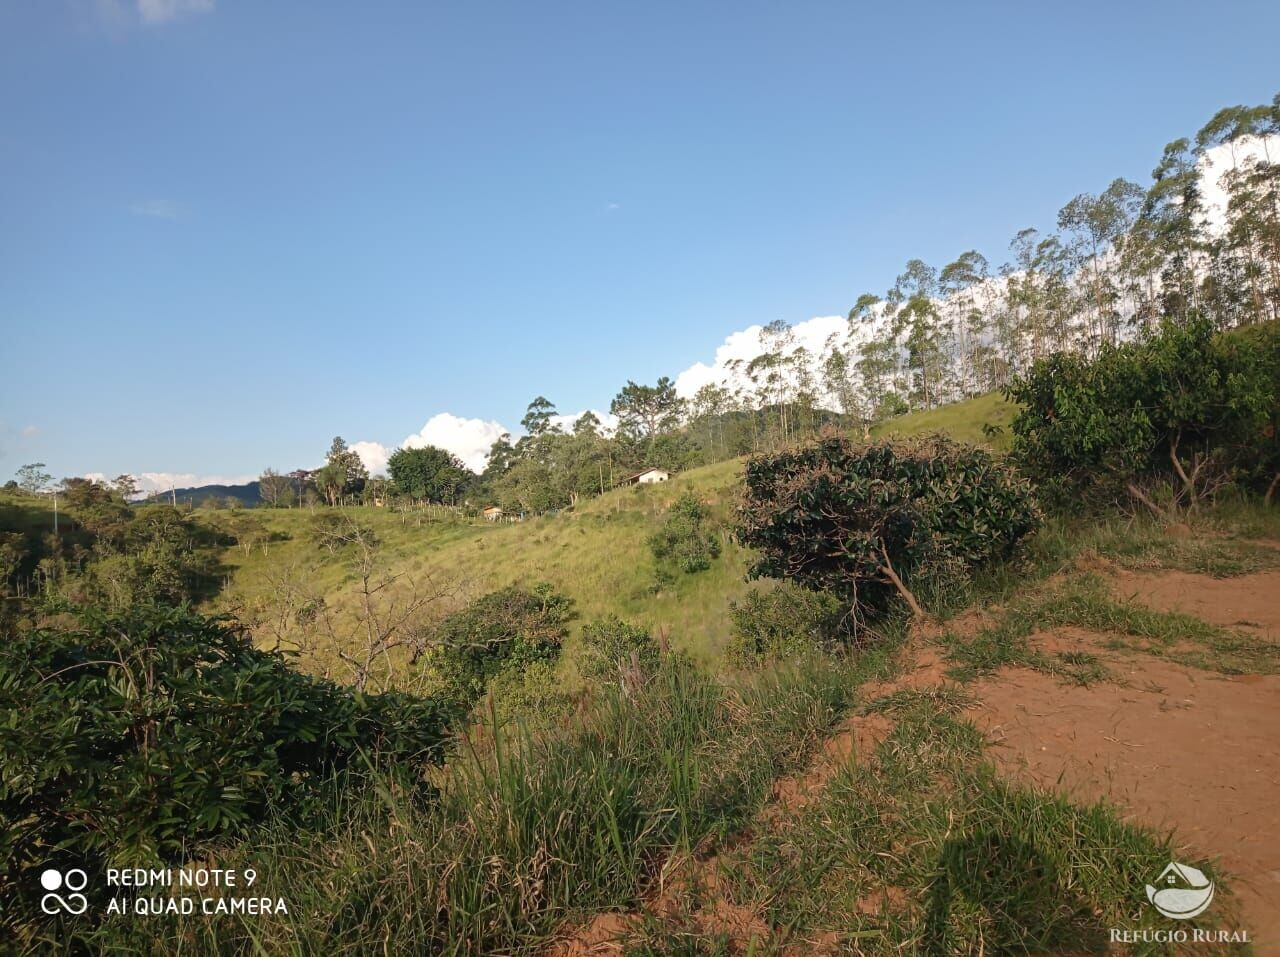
(866,522)
(534,694)
(783,622)
(611,644)
(684,544)
(508,629)
(1184,404)
(145,735)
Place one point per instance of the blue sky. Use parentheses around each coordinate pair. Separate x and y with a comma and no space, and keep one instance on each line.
(232,230)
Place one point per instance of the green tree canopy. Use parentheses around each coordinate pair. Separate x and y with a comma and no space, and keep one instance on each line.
(430,473)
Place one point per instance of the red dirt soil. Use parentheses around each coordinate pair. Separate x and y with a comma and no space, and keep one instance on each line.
(1174,748)
(1250,602)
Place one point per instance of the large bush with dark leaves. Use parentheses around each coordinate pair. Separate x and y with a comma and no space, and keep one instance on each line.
(848,518)
(1184,406)
(147,735)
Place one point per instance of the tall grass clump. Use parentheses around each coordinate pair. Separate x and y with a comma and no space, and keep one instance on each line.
(531,830)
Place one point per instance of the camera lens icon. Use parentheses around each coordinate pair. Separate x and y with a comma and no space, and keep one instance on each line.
(54,880)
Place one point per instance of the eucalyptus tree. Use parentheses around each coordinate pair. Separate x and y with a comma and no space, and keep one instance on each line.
(804,392)
(876,360)
(838,377)
(1096,223)
(918,292)
(1171,210)
(960,282)
(708,408)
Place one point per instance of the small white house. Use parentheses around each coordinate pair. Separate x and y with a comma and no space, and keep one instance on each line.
(647,477)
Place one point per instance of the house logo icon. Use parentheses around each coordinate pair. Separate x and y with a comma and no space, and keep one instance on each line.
(1181,892)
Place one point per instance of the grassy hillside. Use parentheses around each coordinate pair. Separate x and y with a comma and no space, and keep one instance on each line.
(963,421)
(599,556)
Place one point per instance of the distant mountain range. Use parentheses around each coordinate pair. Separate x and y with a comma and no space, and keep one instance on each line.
(247,493)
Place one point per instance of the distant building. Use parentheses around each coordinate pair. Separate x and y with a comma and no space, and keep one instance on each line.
(647,477)
(491,513)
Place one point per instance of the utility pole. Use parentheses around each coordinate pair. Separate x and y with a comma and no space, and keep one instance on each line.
(55,513)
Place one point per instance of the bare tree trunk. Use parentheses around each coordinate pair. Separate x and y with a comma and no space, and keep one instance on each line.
(887,570)
(1137,494)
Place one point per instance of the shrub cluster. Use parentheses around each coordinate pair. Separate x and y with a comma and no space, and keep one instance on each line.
(1183,404)
(685,544)
(866,522)
(508,629)
(783,622)
(611,645)
(534,694)
(142,736)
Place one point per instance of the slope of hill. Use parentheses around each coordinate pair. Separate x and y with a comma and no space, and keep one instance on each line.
(598,555)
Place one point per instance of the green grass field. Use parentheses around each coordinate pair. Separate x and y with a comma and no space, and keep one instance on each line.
(963,421)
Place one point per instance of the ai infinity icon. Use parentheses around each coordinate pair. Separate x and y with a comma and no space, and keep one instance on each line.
(74,880)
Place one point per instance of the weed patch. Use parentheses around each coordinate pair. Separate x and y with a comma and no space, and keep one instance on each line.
(1083,602)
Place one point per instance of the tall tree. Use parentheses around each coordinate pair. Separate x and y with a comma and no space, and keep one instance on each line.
(429,473)
(1096,224)
(537,418)
(343,473)
(274,489)
(33,478)
(1171,213)
(646,411)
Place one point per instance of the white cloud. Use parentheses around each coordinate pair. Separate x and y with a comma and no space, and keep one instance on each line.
(161,11)
(157,209)
(374,455)
(163,481)
(468,439)
(608,421)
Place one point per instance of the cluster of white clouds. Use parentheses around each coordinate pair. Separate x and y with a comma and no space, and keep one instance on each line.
(468,439)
